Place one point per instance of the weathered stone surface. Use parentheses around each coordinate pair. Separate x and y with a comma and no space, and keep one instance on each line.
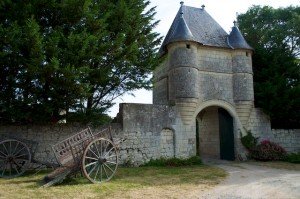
(181,56)
(183,83)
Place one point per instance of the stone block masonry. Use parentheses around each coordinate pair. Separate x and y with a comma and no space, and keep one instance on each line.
(209,133)
(288,139)
(147,131)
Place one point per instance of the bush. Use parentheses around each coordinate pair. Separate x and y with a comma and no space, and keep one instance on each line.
(293,158)
(268,151)
(249,141)
(174,162)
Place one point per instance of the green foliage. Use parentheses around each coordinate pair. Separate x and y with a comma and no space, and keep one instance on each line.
(264,151)
(268,151)
(293,158)
(274,34)
(249,141)
(174,162)
(72,55)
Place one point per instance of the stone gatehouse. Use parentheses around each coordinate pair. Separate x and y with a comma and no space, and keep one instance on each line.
(203,100)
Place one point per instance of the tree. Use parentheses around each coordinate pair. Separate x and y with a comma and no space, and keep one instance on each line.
(275,36)
(72,55)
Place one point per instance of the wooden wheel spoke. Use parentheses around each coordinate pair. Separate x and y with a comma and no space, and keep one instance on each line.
(17,170)
(17,164)
(10,147)
(109,151)
(111,162)
(20,155)
(5,149)
(112,156)
(96,172)
(4,169)
(93,153)
(22,159)
(91,158)
(10,168)
(105,171)
(90,164)
(99,154)
(92,169)
(20,150)
(109,168)
(2,156)
(16,147)
(101,172)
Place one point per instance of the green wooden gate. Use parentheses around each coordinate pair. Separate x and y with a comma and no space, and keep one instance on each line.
(226,135)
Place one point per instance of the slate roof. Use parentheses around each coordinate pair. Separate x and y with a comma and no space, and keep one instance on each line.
(236,39)
(195,24)
(181,31)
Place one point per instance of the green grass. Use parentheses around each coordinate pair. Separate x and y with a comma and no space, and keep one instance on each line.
(127,181)
(293,158)
(175,162)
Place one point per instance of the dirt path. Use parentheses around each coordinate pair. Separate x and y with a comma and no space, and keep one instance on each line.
(250,181)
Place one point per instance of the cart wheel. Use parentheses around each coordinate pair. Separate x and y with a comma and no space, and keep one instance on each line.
(15,158)
(100,160)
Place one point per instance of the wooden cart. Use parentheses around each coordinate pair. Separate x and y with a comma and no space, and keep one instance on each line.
(96,155)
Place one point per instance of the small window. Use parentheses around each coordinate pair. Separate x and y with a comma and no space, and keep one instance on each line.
(188,46)
(247,54)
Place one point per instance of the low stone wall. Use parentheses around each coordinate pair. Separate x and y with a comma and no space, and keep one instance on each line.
(260,126)
(40,139)
(145,129)
(288,138)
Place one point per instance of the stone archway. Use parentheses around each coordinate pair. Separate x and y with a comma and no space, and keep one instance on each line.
(216,132)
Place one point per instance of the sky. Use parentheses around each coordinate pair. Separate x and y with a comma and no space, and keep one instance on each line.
(223,11)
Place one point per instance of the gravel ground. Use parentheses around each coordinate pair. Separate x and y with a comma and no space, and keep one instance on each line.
(250,181)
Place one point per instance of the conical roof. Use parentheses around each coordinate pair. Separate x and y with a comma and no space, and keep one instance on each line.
(195,24)
(236,39)
(181,32)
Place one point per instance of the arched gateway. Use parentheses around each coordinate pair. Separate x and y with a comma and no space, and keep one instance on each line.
(207,78)
(215,135)
(203,91)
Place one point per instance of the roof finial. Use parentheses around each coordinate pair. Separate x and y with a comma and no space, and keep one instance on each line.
(181,9)
(203,6)
(234,23)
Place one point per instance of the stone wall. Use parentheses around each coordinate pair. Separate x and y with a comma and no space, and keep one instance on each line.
(260,126)
(288,139)
(42,136)
(147,130)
